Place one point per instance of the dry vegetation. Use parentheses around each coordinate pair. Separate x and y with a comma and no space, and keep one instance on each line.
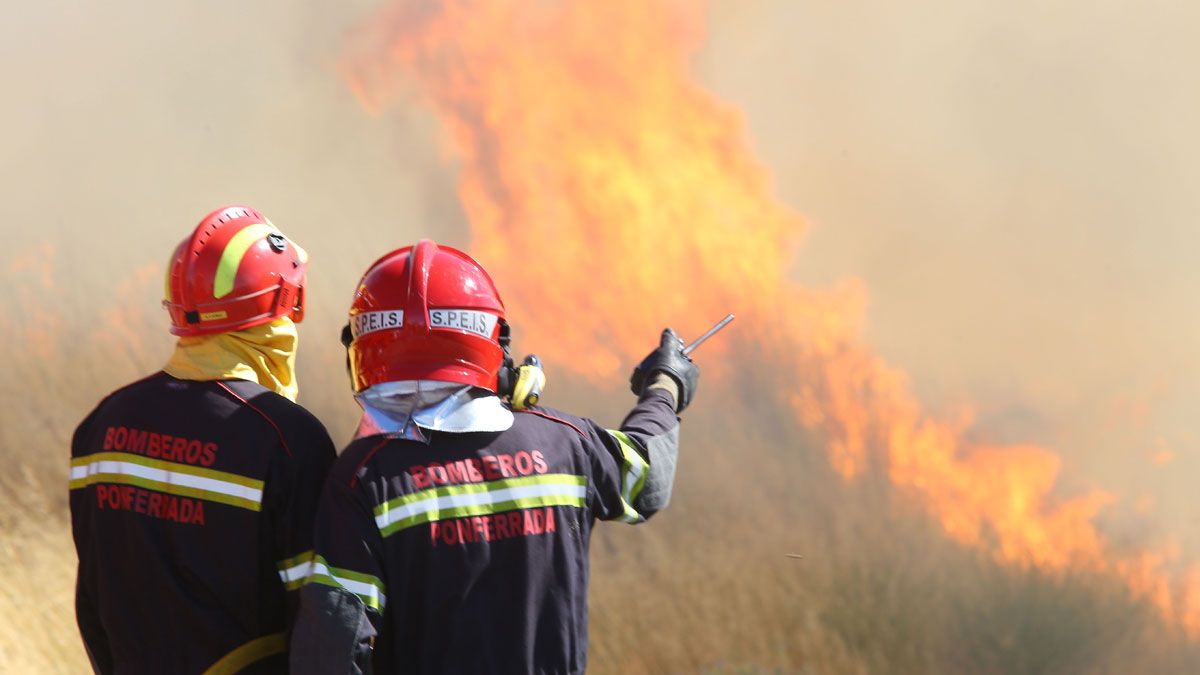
(706,587)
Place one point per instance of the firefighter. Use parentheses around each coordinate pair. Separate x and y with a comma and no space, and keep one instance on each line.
(453,532)
(193,491)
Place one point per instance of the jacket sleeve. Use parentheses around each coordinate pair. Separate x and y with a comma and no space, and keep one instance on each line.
(633,467)
(343,599)
(300,478)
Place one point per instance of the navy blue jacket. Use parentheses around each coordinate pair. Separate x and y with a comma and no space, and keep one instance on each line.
(192,506)
(469,554)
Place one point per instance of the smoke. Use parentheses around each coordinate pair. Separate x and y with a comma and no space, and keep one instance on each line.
(1013,183)
(1009,184)
(131,122)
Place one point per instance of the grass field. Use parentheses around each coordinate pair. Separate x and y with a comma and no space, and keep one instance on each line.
(709,585)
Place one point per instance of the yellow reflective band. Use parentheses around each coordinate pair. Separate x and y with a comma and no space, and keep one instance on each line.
(477,499)
(367,587)
(231,257)
(633,475)
(254,650)
(181,480)
(294,570)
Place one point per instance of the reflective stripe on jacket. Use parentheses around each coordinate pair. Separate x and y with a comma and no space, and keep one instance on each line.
(469,554)
(192,506)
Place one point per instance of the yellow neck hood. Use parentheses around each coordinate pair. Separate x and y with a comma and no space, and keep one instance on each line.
(264,354)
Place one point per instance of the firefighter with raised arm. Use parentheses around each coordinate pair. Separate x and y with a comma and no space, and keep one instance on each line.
(193,491)
(453,533)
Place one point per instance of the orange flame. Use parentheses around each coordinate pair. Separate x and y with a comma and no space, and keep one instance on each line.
(608,192)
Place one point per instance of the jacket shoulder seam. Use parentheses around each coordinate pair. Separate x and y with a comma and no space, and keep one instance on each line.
(366,458)
(265,416)
(552,418)
(130,385)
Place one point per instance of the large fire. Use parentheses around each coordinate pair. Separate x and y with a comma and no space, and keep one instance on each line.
(609,193)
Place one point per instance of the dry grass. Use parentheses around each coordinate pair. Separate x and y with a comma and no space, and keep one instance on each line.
(706,587)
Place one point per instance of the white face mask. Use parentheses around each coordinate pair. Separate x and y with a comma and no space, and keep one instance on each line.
(403,409)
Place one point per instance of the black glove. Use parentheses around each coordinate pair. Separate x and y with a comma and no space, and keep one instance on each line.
(670,359)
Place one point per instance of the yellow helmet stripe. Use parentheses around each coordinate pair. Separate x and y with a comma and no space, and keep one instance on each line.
(231,257)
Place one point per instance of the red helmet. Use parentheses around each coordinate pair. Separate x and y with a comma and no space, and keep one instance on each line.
(426,312)
(235,271)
